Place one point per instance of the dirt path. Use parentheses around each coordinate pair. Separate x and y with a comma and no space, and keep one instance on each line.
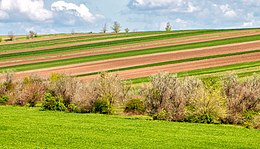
(145,59)
(80,43)
(113,49)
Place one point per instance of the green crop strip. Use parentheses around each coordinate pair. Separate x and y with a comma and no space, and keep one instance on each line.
(70,40)
(104,44)
(172,62)
(210,70)
(130,53)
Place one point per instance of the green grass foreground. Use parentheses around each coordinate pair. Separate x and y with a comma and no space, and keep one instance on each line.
(30,128)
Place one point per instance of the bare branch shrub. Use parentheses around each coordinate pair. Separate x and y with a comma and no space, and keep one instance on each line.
(108,90)
(157,93)
(182,93)
(30,90)
(63,86)
(84,98)
(242,97)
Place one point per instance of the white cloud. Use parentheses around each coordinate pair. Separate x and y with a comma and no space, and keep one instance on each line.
(171,5)
(192,8)
(3,15)
(81,11)
(24,9)
(248,24)
(227,11)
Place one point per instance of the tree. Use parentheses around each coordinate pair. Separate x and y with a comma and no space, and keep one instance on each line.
(11,36)
(127,30)
(104,29)
(116,27)
(73,32)
(32,34)
(168,27)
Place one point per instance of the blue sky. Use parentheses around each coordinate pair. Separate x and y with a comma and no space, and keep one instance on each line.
(61,16)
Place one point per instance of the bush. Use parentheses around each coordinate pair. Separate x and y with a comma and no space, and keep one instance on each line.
(72,108)
(84,98)
(256,122)
(242,96)
(158,93)
(167,95)
(1,39)
(3,99)
(29,91)
(209,106)
(53,103)
(63,86)
(108,89)
(134,106)
(102,106)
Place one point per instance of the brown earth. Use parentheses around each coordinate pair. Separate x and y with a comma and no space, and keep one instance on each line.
(127,47)
(174,68)
(89,67)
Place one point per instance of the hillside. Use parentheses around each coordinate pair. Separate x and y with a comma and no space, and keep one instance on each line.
(136,55)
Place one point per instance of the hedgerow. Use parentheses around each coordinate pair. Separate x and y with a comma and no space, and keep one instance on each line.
(228,100)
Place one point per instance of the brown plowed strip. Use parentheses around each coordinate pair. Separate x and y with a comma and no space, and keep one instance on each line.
(145,59)
(174,68)
(51,37)
(113,49)
(80,43)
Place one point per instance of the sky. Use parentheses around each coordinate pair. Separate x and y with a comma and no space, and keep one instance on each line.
(65,16)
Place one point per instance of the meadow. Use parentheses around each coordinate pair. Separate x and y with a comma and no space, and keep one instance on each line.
(22,127)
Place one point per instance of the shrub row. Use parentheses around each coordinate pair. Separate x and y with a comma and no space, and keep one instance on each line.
(227,100)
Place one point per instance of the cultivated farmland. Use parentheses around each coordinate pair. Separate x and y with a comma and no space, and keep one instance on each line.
(133,55)
(212,76)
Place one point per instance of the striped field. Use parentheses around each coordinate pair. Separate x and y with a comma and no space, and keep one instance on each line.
(136,56)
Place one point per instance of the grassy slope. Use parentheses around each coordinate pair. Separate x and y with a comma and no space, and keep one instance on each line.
(211,70)
(130,53)
(172,62)
(31,128)
(69,40)
(105,44)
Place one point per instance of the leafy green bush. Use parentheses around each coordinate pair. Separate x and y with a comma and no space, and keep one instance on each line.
(102,106)
(162,115)
(53,103)
(135,106)
(72,108)
(209,106)
(3,99)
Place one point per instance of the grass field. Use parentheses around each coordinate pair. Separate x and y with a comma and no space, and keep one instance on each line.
(31,128)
